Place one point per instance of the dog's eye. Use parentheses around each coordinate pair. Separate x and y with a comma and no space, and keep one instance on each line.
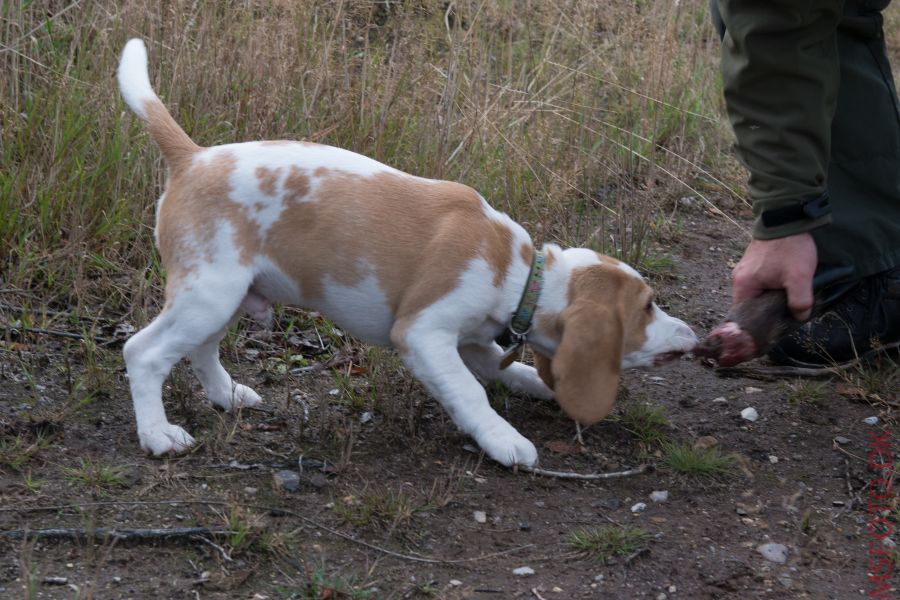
(649,307)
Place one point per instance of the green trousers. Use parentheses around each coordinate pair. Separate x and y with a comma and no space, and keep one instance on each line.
(863,163)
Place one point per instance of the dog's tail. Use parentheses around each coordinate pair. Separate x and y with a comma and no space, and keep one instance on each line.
(134,83)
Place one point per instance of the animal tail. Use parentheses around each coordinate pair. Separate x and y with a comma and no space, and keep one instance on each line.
(134,82)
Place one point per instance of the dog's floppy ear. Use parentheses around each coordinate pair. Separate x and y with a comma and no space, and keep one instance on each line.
(542,364)
(584,372)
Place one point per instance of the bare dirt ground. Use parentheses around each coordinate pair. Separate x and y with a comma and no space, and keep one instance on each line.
(395,511)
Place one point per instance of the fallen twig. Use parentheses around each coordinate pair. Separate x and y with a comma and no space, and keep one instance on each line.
(269,509)
(584,476)
(121,535)
(208,542)
(57,333)
(301,464)
(636,554)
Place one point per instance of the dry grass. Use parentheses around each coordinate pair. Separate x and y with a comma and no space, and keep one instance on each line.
(581,119)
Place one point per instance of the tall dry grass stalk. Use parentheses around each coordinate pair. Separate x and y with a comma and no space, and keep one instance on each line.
(581,119)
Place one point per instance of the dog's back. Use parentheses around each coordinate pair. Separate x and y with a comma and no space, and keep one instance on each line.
(314,225)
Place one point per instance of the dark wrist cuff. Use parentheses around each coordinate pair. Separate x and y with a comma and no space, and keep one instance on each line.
(810,209)
(782,221)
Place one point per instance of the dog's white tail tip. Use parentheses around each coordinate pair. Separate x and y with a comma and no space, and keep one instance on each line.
(134,81)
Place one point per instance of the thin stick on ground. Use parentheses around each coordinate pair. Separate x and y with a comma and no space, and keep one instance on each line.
(209,542)
(54,332)
(122,535)
(584,476)
(269,509)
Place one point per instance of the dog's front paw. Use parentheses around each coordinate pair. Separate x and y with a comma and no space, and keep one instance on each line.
(525,379)
(165,439)
(508,447)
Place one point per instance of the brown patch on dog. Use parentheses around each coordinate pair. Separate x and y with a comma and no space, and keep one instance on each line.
(609,259)
(197,203)
(549,260)
(526,252)
(418,236)
(268,179)
(498,251)
(296,186)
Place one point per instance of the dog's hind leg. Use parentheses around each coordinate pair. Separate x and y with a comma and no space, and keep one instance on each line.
(220,388)
(195,315)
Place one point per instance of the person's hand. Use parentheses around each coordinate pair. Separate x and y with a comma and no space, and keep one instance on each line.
(786,263)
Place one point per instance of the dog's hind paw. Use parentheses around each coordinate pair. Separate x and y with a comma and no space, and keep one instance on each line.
(244,396)
(240,396)
(165,439)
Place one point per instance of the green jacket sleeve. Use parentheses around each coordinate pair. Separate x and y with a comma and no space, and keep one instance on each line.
(781,72)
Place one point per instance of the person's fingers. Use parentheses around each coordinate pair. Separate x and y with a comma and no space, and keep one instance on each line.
(743,285)
(800,297)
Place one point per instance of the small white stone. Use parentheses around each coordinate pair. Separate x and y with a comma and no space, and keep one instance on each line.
(334,392)
(720,400)
(365,418)
(639,507)
(752,390)
(557,590)
(773,459)
(774,552)
(659,495)
(672,589)
(523,571)
(871,420)
(750,414)
(455,582)
(480,516)
(661,596)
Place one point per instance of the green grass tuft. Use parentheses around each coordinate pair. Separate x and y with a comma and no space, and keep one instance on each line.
(646,421)
(696,463)
(803,393)
(607,541)
(100,479)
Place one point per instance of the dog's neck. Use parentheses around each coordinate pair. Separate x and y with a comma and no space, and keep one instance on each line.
(544,335)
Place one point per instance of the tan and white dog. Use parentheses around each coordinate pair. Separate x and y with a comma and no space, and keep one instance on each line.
(426,266)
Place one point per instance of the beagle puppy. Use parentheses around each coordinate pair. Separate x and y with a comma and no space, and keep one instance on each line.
(425,266)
